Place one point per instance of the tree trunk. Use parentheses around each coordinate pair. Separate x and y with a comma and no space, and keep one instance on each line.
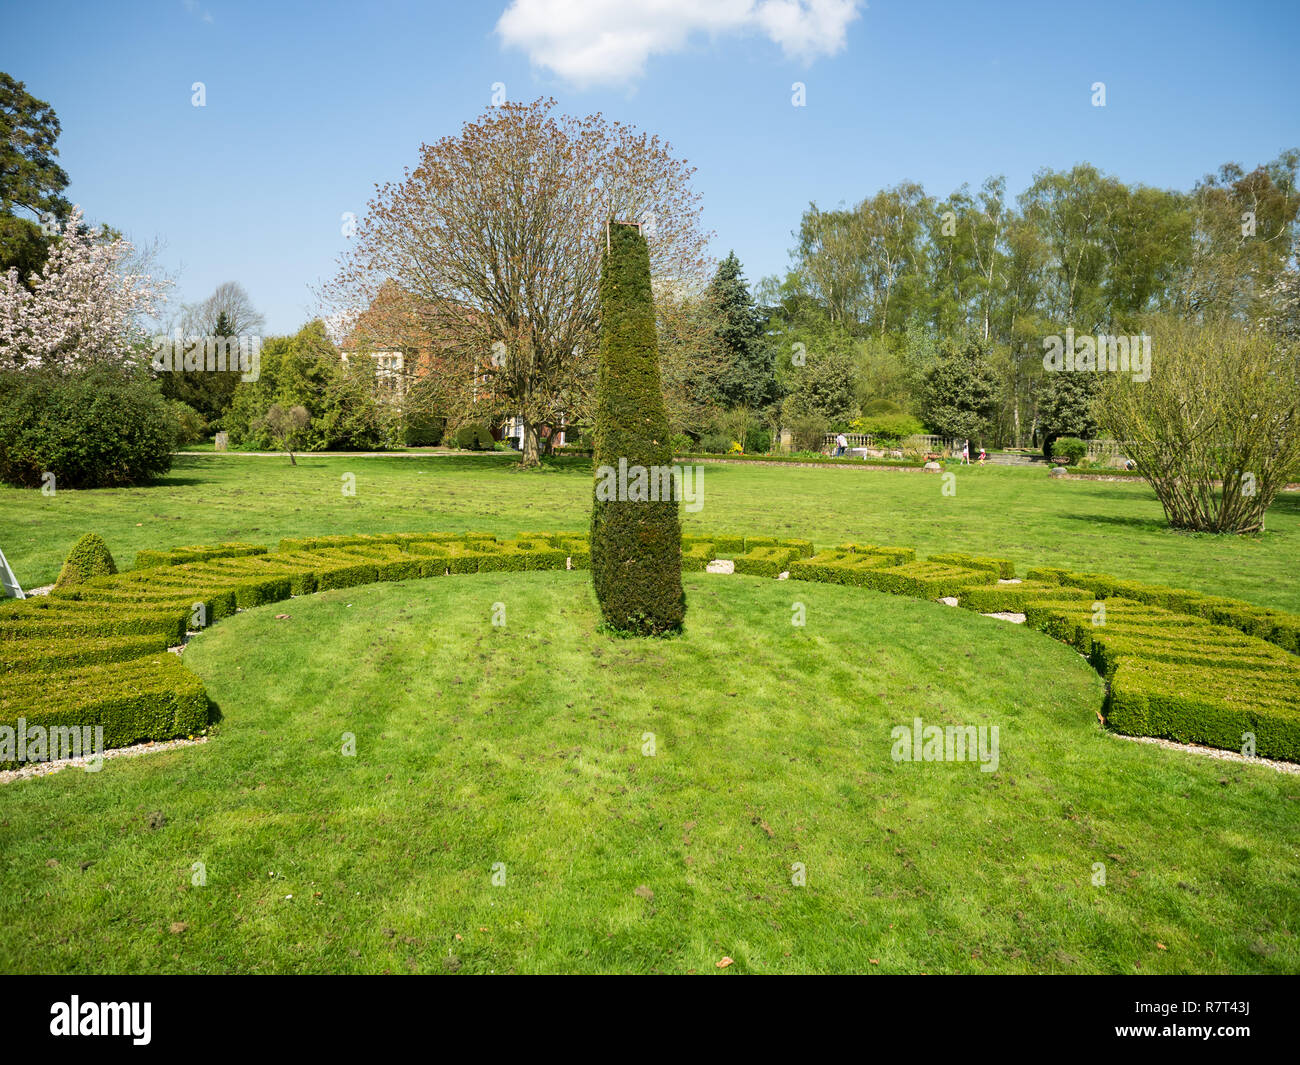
(530,456)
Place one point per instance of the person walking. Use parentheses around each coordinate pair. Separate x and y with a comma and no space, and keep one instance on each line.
(965,453)
(841,444)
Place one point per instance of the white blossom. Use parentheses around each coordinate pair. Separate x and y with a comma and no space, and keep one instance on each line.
(84,307)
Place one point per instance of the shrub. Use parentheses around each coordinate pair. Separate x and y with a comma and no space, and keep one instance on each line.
(1211,423)
(96,429)
(681,444)
(341,399)
(888,428)
(808,431)
(636,546)
(1069,447)
(1205,705)
(88,558)
(473,437)
(286,427)
(758,441)
(421,429)
(51,617)
(995,598)
(838,567)
(191,426)
(715,444)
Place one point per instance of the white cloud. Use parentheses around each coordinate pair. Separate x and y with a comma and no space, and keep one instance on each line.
(592,42)
(192,6)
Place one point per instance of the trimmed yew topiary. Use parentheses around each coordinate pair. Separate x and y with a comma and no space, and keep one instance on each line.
(88,558)
(636,534)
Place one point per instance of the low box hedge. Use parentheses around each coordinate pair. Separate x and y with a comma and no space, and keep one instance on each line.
(518,556)
(154,697)
(801,548)
(898,554)
(838,567)
(696,555)
(999,567)
(41,655)
(765,561)
(1192,704)
(1110,649)
(728,547)
(178,556)
(1275,626)
(43,616)
(999,598)
(925,580)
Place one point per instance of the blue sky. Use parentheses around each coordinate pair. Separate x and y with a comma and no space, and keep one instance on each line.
(310,104)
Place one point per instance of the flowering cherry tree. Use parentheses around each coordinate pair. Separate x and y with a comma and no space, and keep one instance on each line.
(85,306)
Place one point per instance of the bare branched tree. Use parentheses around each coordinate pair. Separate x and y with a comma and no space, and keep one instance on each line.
(228,308)
(496,237)
(1216,430)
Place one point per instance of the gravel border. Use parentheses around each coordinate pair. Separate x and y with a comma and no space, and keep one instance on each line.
(1209,752)
(45,769)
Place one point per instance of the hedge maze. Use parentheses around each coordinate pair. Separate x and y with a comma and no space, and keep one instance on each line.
(1178,664)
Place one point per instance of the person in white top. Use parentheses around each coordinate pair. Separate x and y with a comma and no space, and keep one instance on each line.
(841,444)
(965,453)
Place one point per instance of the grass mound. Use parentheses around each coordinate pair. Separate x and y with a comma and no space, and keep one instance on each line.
(1172,671)
(531,769)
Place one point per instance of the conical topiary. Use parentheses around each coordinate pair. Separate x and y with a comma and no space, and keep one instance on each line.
(636,535)
(88,558)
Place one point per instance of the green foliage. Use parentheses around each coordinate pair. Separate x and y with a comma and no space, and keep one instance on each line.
(88,558)
(1067,406)
(1079,248)
(809,431)
(286,427)
(1174,669)
(177,556)
(99,428)
(824,387)
(342,403)
(1070,447)
(635,544)
(1214,430)
(210,392)
(29,177)
(1178,676)
(39,655)
(748,377)
(960,395)
(888,428)
(191,426)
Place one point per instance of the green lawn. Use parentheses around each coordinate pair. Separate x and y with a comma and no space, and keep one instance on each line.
(523,745)
(1112,527)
